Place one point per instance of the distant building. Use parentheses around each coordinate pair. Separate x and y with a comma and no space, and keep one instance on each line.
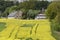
(15,15)
(16,0)
(40,16)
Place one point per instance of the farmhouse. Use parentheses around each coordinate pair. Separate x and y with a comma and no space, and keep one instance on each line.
(40,16)
(15,14)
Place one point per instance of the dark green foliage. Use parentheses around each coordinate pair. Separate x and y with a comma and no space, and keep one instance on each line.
(5,7)
(33,5)
(9,10)
(6,12)
(53,10)
(24,15)
(36,5)
(56,26)
(27,5)
(5,4)
(41,4)
(32,13)
(8,6)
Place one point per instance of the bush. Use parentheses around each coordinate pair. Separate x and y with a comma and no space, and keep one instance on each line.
(32,13)
(29,14)
(53,10)
(9,10)
(24,15)
(55,28)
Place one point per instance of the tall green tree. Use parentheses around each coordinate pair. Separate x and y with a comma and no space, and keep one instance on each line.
(32,14)
(53,11)
(34,4)
(5,4)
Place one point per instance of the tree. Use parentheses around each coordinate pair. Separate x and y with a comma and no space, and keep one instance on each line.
(5,4)
(34,4)
(53,13)
(6,12)
(31,14)
(27,5)
(9,10)
(41,4)
(52,10)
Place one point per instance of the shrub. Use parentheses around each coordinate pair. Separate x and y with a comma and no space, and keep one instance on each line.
(32,13)
(53,10)
(55,28)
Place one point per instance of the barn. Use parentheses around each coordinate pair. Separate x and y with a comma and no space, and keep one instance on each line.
(15,15)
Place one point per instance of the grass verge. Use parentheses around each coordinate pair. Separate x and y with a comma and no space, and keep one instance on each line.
(2,26)
(55,28)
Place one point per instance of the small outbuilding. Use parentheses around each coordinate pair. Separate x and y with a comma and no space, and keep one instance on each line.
(41,16)
(15,15)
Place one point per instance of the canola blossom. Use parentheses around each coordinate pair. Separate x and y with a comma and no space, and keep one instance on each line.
(26,30)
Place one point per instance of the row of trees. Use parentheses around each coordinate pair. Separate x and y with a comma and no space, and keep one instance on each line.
(33,5)
(37,5)
(5,5)
(9,6)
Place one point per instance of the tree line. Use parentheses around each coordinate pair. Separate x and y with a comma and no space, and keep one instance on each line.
(53,14)
(8,6)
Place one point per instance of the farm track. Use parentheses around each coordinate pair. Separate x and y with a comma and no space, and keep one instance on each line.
(41,30)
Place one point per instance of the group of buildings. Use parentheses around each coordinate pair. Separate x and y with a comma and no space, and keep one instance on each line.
(18,15)
(26,0)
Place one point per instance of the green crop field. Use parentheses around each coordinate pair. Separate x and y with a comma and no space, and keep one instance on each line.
(15,29)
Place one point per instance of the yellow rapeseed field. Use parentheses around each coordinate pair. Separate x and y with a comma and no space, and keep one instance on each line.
(26,30)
